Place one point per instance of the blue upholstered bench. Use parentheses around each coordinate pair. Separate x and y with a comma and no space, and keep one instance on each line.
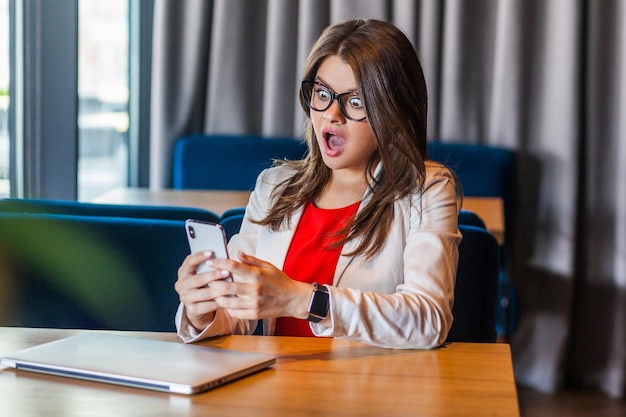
(222,162)
(484,171)
(91,272)
(74,208)
(488,171)
(476,290)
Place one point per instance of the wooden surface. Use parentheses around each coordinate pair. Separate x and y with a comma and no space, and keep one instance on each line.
(312,377)
(216,201)
(490,209)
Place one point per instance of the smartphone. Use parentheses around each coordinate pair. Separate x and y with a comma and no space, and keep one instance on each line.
(204,236)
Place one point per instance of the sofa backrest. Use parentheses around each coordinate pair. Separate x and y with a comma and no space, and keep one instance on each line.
(228,162)
(89,272)
(484,171)
(476,289)
(75,208)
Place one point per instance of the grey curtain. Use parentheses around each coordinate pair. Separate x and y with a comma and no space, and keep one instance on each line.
(546,78)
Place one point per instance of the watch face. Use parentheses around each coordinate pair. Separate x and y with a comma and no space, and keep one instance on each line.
(319,304)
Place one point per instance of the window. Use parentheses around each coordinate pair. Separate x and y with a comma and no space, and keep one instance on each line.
(103,92)
(4,99)
(79,119)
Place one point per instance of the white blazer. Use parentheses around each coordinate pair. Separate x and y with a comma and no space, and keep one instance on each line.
(401,298)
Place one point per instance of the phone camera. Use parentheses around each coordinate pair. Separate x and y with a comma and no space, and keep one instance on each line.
(192,232)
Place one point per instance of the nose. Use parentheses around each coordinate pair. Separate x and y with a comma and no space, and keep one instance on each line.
(333,113)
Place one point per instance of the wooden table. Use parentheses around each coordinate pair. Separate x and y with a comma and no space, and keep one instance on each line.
(312,377)
(217,201)
(490,209)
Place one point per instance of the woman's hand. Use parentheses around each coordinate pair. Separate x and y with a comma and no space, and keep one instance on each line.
(260,290)
(194,290)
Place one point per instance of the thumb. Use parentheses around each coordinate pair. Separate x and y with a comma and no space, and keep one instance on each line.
(251,260)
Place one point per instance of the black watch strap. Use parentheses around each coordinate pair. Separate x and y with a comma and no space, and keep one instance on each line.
(319,304)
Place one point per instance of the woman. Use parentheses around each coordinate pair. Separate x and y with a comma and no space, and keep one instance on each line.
(358,240)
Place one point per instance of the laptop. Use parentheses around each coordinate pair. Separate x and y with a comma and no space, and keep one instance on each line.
(136,362)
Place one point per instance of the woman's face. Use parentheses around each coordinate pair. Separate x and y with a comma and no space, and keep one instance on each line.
(345,145)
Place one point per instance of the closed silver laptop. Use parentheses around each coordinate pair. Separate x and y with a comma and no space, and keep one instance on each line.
(136,362)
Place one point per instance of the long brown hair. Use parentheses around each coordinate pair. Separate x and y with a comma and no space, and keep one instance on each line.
(391,83)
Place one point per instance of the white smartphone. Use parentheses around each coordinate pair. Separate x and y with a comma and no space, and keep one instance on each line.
(204,236)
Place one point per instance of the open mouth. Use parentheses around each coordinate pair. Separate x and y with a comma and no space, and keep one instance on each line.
(334,143)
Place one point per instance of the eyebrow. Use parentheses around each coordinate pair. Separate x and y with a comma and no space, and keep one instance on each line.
(325,84)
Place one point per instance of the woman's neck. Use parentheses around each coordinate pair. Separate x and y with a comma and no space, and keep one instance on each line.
(342,190)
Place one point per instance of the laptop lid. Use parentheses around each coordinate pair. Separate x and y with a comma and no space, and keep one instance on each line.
(136,362)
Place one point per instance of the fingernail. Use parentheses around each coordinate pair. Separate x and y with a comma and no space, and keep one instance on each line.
(224,273)
(208,253)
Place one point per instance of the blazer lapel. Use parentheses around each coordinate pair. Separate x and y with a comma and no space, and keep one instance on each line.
(345,261)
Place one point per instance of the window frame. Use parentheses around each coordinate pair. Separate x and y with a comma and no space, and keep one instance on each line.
(44,99)
(43,114)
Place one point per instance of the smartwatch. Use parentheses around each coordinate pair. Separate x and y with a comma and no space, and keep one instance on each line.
(319,304)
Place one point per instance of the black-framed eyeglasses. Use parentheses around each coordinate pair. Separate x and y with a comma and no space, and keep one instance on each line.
(319,98)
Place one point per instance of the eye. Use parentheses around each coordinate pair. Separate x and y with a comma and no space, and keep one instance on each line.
(355,102)
(322,94)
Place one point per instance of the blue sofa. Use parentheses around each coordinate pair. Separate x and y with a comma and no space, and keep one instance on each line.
(70,264)
(222,162)
(489,171)
(74,208)
(94,272)
(484,171)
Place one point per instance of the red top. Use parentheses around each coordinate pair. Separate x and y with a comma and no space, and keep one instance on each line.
(311,256)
